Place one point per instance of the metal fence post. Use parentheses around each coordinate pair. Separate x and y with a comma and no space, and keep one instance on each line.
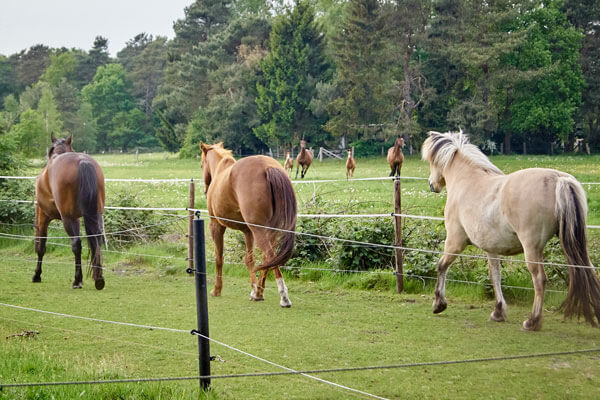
(201,304)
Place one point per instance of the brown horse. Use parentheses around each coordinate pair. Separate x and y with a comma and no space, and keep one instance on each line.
(510,214)
(350,165)
(256,191)
(289,163)
(304,159)
(395,157)
(69,187)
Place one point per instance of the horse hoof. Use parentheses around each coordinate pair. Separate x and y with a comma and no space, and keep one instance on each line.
(285,305)
(99,283)
(497,317)
(77,285)
(257,299)
(36,279)
(529,326)
(439,307)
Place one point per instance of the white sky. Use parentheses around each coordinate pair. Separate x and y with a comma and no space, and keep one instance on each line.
(76,23)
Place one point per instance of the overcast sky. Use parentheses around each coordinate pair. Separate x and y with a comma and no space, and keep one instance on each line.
(76,23)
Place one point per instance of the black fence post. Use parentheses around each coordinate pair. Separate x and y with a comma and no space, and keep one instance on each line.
(201,304)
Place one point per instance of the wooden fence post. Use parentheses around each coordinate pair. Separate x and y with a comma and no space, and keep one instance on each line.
(191,206)
(398,235)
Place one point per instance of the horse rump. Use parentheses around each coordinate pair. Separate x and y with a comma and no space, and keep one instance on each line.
(87,198)
(583,297)
(283,202)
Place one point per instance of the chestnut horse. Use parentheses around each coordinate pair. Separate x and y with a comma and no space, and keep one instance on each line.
(257,192)
(304,159)
(69,187)
(350,165)
(289,163)
(395,157)
(511,214)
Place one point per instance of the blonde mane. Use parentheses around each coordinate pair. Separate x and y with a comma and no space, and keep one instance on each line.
(440,148)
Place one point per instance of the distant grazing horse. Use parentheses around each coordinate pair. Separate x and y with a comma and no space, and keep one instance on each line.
(289,163)
(254,190)
(304,159)
(510,214)
(350,165)
(69,187)
(395,157)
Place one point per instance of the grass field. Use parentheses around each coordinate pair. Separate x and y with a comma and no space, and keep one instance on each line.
(330,325)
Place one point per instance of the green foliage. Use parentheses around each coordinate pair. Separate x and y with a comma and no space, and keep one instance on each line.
(30,134)
(128,227)
(291,69)
(11,164)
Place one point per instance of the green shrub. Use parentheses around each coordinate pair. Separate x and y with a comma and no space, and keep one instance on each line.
(11,164)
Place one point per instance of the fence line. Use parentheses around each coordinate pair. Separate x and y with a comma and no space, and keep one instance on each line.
(300,215)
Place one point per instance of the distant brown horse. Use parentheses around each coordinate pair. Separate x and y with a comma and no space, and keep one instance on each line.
(69,187)
(350,165)
(256,191)
(395,157)
(304,159)
(511,214)
(289,163)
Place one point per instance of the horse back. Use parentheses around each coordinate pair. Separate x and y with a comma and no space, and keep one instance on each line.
(62,180)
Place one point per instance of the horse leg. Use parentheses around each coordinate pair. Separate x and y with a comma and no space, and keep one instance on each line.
(41,231)
(534,258)
(499,313)
(256,291)
(72,227)
(282,288)
(217,231)
(456,241)
(297,167)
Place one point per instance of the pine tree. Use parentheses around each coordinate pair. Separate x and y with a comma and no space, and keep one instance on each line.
(292,68)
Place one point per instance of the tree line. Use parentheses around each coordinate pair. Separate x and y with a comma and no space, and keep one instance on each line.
(258,74)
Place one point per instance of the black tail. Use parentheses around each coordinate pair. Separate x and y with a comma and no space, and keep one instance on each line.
(284,206)
(87,198)
(583,297)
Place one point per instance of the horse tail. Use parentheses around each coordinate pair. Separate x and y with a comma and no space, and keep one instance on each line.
(583,297)
(283,202)
(87,198)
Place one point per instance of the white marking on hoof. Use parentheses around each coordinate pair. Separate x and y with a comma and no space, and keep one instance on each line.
(283,292)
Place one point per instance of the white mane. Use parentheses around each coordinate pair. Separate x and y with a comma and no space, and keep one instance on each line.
(440,148)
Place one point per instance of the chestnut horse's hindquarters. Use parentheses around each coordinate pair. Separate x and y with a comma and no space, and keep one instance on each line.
(87,199)
(283,202)
(583,297)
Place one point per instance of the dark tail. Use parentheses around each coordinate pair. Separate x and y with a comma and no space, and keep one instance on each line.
(284,206)
(87,197)
(583,297)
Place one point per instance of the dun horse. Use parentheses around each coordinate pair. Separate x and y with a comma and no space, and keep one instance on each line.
(289,163)
(350,165)
(510,214)
(69,187)
(257,192)
(395,157)
(304,159)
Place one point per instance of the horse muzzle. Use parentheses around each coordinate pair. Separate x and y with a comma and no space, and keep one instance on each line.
(433,188)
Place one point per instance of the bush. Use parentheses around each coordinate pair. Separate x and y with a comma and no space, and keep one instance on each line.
(11,164)
(132,225)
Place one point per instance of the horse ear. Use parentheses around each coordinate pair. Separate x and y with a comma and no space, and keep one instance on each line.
(52,137)
(203,147)
(220,144)
(69,139)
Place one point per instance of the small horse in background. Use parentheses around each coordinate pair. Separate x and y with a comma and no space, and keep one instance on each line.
(350,165)
(304,159)
(69,187)
(289,163)
(395,157)
(511,214)
(256,191)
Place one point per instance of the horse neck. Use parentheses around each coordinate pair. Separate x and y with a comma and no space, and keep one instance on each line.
(460,169)
(220,162)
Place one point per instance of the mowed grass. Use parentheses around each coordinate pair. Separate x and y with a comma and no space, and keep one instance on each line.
(328,326)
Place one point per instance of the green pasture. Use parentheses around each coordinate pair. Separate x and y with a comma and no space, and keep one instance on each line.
(336,321)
